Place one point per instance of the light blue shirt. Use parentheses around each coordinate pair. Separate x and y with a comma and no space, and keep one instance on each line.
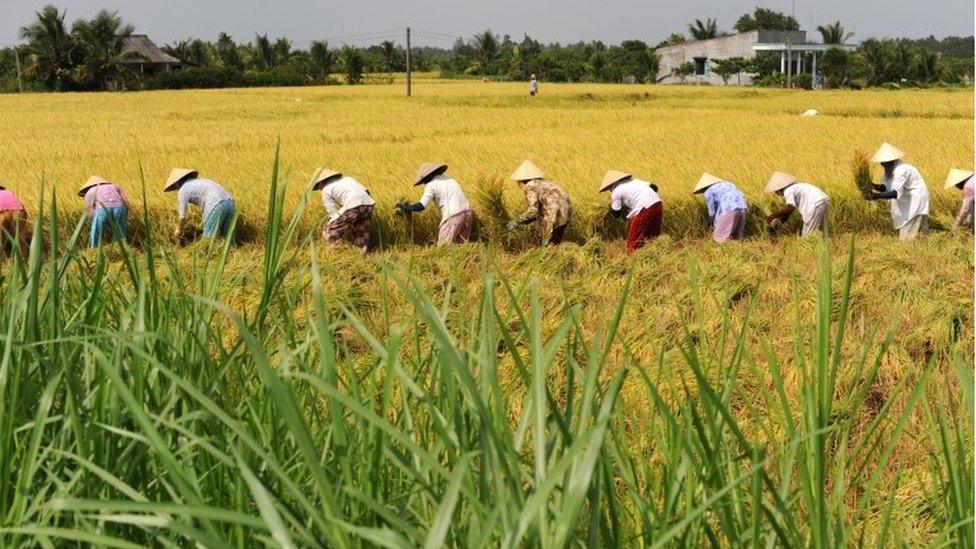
(722,198)
(203,194)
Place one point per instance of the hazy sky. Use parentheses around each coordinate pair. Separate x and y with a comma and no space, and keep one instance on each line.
(546,20)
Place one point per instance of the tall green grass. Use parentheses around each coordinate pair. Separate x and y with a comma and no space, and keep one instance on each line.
(140,407)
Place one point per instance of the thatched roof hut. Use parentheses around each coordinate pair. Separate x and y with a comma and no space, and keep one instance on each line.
(143,55)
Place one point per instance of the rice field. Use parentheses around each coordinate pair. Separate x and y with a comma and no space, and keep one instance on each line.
(668,135)
(772,392)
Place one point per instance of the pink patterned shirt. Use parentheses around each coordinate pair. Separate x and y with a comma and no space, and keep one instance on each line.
(104,196)
(9,201)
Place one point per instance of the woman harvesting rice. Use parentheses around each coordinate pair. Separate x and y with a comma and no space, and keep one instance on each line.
(108,208)
(216,204)
(813,204)
(905,188)
(457,216)
(14,229)
(726,207)
(545,201)
(350,208)
(962,180)
(643,206)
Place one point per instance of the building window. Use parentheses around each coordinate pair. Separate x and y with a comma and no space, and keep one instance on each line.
(701,66)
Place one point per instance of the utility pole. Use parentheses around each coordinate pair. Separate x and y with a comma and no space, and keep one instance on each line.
(789,61)
(409,63)
(20,83)
(789,49)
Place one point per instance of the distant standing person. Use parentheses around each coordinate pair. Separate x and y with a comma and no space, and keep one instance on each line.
(640,202)
(813,203)
(14,229)
(457,216)
(108,208)
(546,202)
(533,86)
(905,189)
(350,208)
(962,180)
(726,207)
(217,206)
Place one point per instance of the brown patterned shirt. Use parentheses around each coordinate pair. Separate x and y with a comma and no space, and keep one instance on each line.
(547,201)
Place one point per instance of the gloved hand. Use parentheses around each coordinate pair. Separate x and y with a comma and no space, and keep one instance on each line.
(401,207)
(511,224)
(775,224)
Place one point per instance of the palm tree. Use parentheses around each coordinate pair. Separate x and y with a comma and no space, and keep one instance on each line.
(834,33)
(102,40)
(262,54)
(322,59)
(282,51)
(51,50)
(227,52)
(487,48)
(388,49)
(703,30)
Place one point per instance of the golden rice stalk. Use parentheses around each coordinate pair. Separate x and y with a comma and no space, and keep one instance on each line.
(861,170)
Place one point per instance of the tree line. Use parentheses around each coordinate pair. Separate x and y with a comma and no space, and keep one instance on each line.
(88,54)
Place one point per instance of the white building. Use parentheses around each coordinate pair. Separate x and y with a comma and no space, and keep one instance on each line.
(792,46)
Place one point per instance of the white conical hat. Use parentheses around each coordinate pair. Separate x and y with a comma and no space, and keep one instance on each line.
(779,181)
(322,177)
(527,172)
(957,177)
(427,169)
(887,153)
(611,178)
(93,181)
(706,181)
(176,176)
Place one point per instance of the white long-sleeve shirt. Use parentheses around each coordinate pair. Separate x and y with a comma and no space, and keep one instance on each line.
(635,195)
(913,194)
(343,195)
(805,198)
(447,194)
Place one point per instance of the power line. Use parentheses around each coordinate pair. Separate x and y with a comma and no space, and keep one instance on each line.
(445,35)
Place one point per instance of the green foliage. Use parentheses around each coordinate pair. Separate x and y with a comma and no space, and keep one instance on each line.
(216,77)
(322,59)
(673,39)
(101,41)
(834,33)
(140,407)
(52,52)
(803,81)
(684,70)
(766,19)
(703,30)
(727,68)
(352,64)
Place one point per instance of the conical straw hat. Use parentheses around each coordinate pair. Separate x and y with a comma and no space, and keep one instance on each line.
(706,181)
(428,169)
(323,176)
(176,176)
(887,153)
(957,177)
(779,181)
(93,181)
(613,177)
(527,172)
